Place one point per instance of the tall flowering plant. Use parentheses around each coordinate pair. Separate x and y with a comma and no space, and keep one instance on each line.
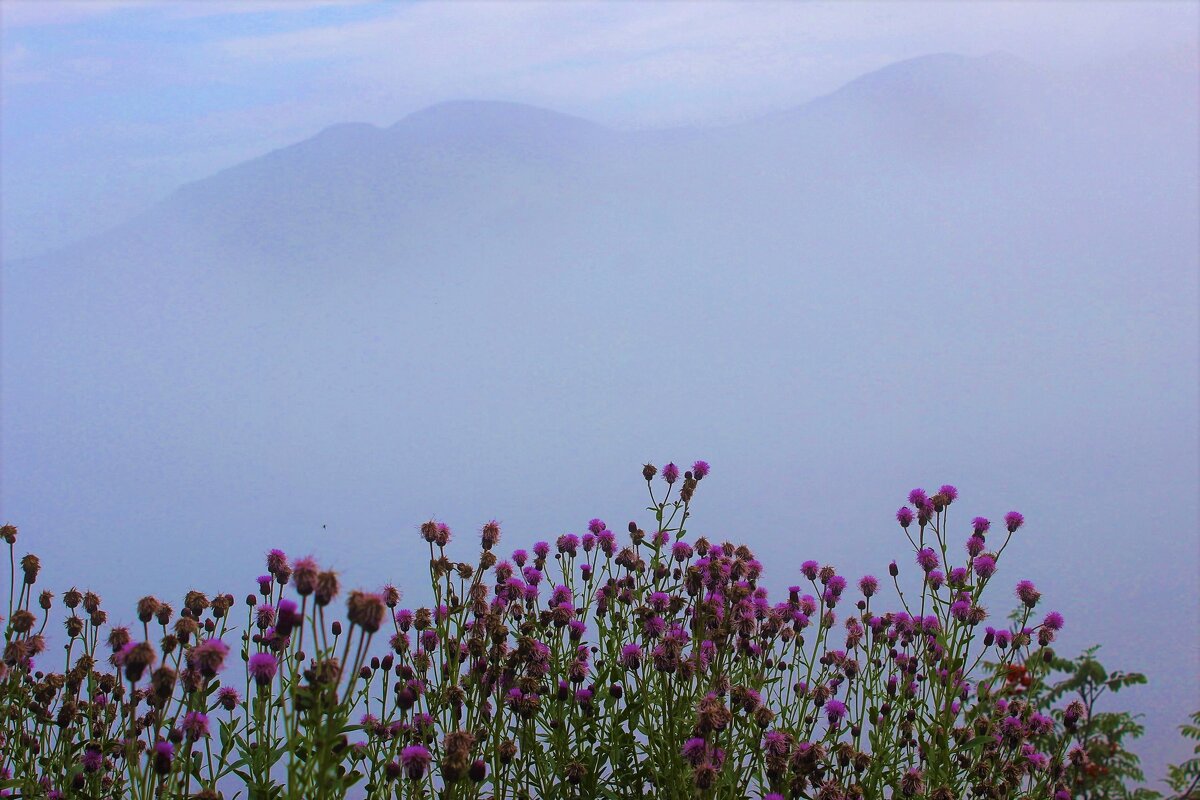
(643,664)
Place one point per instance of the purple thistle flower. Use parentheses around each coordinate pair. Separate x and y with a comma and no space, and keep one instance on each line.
(654,626)
(519,557)
(659,601)
(631,656)
(836,585)
(533,575)
(1040,724)
(264,584)
(1002,638)
(918,498)
(975,545)
(681,551)
(264,616)
(405,618)
(608,541)
(960,609)
(1053,621)
(985,566)
(927,559)
(835,711)
(568,543)
(1028,593)
(596,525)
(589,541)
(228,698)
(92,760)
(700,469)
(208,657)
(195,724)
(936,579)
(1014,520)
(949,492)
(980,525)
(670,473)
(262,667)
(904,516)
(810,569)
(277,562)
(776,743)
(416,760)
(287,617)
(162,755)
(541,549)
(868,585)
(694,750)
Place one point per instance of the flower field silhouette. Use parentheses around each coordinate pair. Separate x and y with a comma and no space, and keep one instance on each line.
(648,663)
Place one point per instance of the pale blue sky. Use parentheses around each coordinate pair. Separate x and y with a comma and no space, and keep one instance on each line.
(109,105)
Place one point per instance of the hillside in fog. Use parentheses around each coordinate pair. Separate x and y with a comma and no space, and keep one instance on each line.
(952,269)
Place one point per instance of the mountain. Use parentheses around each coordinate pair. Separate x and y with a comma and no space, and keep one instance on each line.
(953,268)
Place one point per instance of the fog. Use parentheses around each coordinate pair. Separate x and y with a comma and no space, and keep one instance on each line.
(969,270)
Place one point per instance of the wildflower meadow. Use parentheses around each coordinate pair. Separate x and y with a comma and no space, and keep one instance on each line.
(624,662)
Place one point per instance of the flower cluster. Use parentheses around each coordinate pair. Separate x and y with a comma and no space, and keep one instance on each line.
(644,663)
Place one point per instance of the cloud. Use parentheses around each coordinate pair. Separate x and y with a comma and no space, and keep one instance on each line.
(671,63)
(40,13)
(34,13)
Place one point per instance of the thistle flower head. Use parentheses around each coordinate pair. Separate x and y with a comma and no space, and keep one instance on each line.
(985,566)
(208,657)
(835,711)
(927,559)
(195,724)
(489,536)
(415,759)
(262,668)
(228,698)
(1028,593)
(162,755)
(92,760)
(277,562)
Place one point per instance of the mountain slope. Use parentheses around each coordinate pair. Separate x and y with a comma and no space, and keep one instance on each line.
(952,268)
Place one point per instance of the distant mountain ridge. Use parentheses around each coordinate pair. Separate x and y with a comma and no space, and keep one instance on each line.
(365,181)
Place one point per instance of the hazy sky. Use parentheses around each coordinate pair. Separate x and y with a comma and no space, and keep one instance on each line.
(107,106)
